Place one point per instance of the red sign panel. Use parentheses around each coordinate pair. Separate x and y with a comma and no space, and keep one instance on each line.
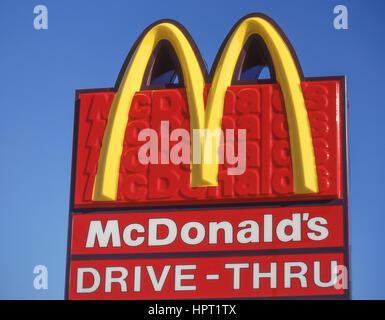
(208,230)
(214,277)
(257,108)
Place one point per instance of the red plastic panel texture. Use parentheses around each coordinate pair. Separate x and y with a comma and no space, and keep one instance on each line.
(257,108)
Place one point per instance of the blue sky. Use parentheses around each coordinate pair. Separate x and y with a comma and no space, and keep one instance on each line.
(85,46)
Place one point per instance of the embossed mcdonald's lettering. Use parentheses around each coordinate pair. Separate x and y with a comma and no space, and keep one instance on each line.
(176,161)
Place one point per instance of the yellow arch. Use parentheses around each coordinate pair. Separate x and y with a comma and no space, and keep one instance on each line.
(301,144)
(107,176)
(302,153)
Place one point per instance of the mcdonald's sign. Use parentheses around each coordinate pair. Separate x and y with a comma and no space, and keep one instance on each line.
(224,184)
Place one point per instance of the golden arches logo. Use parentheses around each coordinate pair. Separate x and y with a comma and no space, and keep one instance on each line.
(206,174)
